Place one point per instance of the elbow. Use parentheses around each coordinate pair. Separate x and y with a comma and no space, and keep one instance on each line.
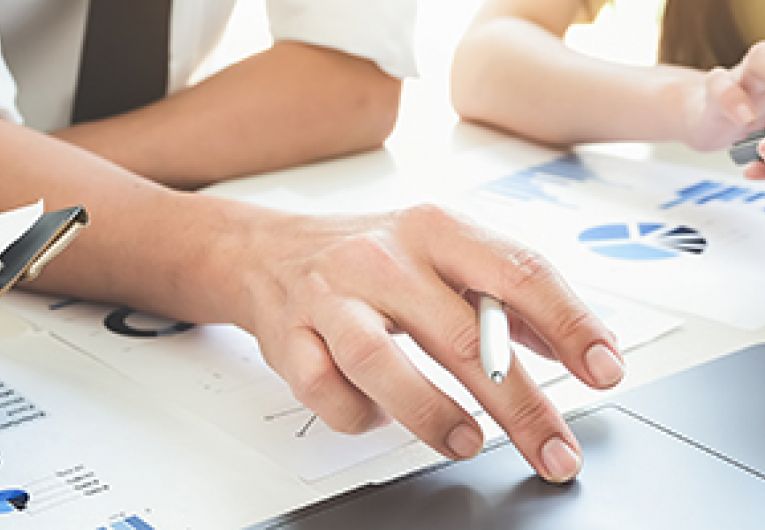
(460,89)
(488,86)
(467,79)
(376,107)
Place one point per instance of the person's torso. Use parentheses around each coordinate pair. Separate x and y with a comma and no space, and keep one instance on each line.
(42,40)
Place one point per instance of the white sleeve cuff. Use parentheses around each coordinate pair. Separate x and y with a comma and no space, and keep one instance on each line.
(8,109)
(379,30)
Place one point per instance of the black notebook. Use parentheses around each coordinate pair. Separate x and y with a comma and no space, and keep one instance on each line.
(25,258)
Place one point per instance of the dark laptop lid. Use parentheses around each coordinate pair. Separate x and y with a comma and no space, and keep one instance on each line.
(642,470)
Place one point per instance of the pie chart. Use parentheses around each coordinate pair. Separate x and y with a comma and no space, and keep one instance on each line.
(643,241)
(13,501)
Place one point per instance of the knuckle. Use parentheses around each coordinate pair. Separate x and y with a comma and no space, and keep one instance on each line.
(368,250)
(466,342)
(361,350)
(717,82)
(529,413)
(310,283)
(756,53)
(430,215)
(423,414)
(525,268)
(359,422)
(570,323)
(313,379)
(716,75)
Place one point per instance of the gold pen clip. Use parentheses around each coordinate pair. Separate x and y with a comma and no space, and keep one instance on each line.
(52,250)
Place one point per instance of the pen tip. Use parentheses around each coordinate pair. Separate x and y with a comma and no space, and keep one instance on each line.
(497,377)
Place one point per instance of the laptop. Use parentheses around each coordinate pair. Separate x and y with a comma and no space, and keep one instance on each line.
(685,452)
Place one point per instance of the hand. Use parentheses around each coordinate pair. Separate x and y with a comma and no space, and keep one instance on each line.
(326,292)
(723,106)
(756,170)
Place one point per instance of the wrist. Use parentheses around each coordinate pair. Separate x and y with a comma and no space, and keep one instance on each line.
(681,99)
(230,263)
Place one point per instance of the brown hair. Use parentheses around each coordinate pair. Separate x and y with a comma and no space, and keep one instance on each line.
(700,34)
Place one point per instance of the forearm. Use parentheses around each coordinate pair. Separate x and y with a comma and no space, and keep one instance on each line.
(515,75)
(291,104)
(146,245)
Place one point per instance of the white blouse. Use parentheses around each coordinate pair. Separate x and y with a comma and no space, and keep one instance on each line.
(40,43)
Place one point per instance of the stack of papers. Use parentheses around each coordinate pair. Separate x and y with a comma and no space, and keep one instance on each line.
(218,374)
(671,236)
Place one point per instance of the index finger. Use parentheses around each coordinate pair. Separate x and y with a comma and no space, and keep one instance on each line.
(756,170)
(467,256)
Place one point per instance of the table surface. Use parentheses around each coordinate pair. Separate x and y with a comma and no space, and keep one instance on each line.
(427,138)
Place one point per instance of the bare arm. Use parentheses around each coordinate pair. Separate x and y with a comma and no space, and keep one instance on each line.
(512,70)
(320,293)
(147,245)
(291,104)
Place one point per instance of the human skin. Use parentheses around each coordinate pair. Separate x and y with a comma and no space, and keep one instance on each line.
(513,71)
(321,293)
(291,104)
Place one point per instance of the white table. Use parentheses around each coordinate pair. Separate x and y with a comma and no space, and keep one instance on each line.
(407,163)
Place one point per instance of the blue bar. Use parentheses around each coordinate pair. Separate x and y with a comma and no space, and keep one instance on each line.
(754,197)
(137,523)
(121,525)
(568,167)
(692,192)
(728,194)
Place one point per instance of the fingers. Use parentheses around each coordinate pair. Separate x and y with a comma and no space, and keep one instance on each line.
(725,91)
(532,289)
(520,332)
(341,360)
(451,336)
(366,354)
(756,170)
(305,364)
(532,423)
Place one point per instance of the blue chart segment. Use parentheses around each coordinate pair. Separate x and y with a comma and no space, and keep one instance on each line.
(13,501)
(530,184)
(707,191)
(643,241)
(131,523)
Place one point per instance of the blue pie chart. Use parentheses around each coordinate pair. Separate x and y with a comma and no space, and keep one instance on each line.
(13,501)
(648,241)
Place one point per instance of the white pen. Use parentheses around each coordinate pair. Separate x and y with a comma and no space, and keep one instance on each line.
(496,350)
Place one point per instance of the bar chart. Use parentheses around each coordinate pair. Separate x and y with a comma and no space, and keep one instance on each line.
(129,523)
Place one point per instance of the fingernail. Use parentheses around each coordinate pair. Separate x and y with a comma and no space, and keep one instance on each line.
(464,441)
(744,113)
(604,366)
(561,461)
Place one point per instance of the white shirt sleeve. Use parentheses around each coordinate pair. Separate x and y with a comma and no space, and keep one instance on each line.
(379,30)
(8,109)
